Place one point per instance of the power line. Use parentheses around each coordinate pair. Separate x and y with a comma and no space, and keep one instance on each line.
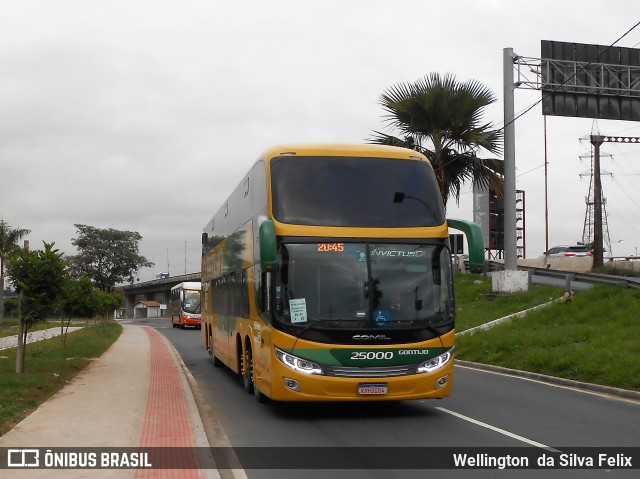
(623,204)
(529,171)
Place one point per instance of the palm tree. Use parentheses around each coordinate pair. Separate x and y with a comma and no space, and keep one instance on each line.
(9,238)
(441,118)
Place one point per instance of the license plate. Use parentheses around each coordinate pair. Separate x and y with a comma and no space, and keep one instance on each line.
(372,389)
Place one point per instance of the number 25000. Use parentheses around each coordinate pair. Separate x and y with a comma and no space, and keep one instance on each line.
(372,355)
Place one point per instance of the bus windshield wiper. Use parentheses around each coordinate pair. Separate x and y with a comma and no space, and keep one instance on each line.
(416,324)
(311,326)
(316,323)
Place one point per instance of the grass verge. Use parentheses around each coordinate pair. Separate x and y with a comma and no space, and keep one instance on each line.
(592,338)
(476,304)
(48,367)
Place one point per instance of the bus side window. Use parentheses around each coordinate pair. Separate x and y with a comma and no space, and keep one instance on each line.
(208,289)
(257,288)
(245,293)
(263,290)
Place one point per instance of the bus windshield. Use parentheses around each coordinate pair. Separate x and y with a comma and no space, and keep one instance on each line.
(191,303)
(355,192)
(364,284)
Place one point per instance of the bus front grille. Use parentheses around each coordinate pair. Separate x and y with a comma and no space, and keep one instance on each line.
(390,371)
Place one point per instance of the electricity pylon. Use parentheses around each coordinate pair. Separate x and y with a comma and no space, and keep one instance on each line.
(588,228)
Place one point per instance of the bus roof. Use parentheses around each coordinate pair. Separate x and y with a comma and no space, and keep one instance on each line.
(338,149)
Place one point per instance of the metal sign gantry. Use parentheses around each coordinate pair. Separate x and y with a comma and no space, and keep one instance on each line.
(592,78)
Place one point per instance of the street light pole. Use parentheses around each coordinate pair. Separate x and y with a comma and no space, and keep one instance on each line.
(509,190)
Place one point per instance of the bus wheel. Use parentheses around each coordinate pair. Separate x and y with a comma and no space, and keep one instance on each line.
(247,370)
(261,398)
(216,362)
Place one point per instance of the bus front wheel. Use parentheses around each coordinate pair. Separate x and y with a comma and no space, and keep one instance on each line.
(249,378)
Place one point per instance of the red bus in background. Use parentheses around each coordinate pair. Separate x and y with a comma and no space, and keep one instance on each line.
(184,304)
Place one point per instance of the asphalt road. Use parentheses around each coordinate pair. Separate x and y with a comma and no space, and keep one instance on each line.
(485,410)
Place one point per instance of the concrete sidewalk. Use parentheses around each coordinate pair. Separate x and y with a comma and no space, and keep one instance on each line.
(135,395)
(33,336)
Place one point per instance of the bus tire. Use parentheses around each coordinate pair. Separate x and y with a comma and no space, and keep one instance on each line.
(247,370)
(216,362)
(261,398)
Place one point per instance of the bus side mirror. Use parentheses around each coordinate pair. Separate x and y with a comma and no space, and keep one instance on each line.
(476,243)
(268,248)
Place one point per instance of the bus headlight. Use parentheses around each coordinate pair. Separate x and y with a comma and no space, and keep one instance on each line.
(436,363)
(298,364)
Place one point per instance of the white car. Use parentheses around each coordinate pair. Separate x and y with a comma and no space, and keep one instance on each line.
(567,251)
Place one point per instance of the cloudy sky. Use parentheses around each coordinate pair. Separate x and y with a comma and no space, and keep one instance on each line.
(143,115)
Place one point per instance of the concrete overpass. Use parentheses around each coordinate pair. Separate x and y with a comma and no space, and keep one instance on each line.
(154,290)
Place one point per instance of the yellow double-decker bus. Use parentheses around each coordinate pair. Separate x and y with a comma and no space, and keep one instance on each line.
(327,276)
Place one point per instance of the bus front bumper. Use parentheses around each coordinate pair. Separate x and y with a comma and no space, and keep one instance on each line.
(290,385)
(187,321)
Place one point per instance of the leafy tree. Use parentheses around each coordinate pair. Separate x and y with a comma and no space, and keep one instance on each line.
(11,305)
(441,118)
(78,298)
(82,299)
(107,256)
(106,303)
(9,238)
(78,301)
(38,277)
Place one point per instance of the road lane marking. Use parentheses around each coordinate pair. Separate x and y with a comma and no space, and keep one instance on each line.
(498,430)
(606,392)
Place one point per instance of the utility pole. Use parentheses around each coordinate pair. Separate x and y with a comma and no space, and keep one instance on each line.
(510,232)
(596,141)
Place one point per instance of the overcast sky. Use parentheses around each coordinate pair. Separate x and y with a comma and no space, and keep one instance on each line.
(143,115)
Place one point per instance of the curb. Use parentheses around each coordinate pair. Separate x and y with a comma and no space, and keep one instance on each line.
(210,468)
(520,314)
(182,426)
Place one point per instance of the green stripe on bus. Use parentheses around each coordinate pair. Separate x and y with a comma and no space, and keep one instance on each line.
(374,357)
